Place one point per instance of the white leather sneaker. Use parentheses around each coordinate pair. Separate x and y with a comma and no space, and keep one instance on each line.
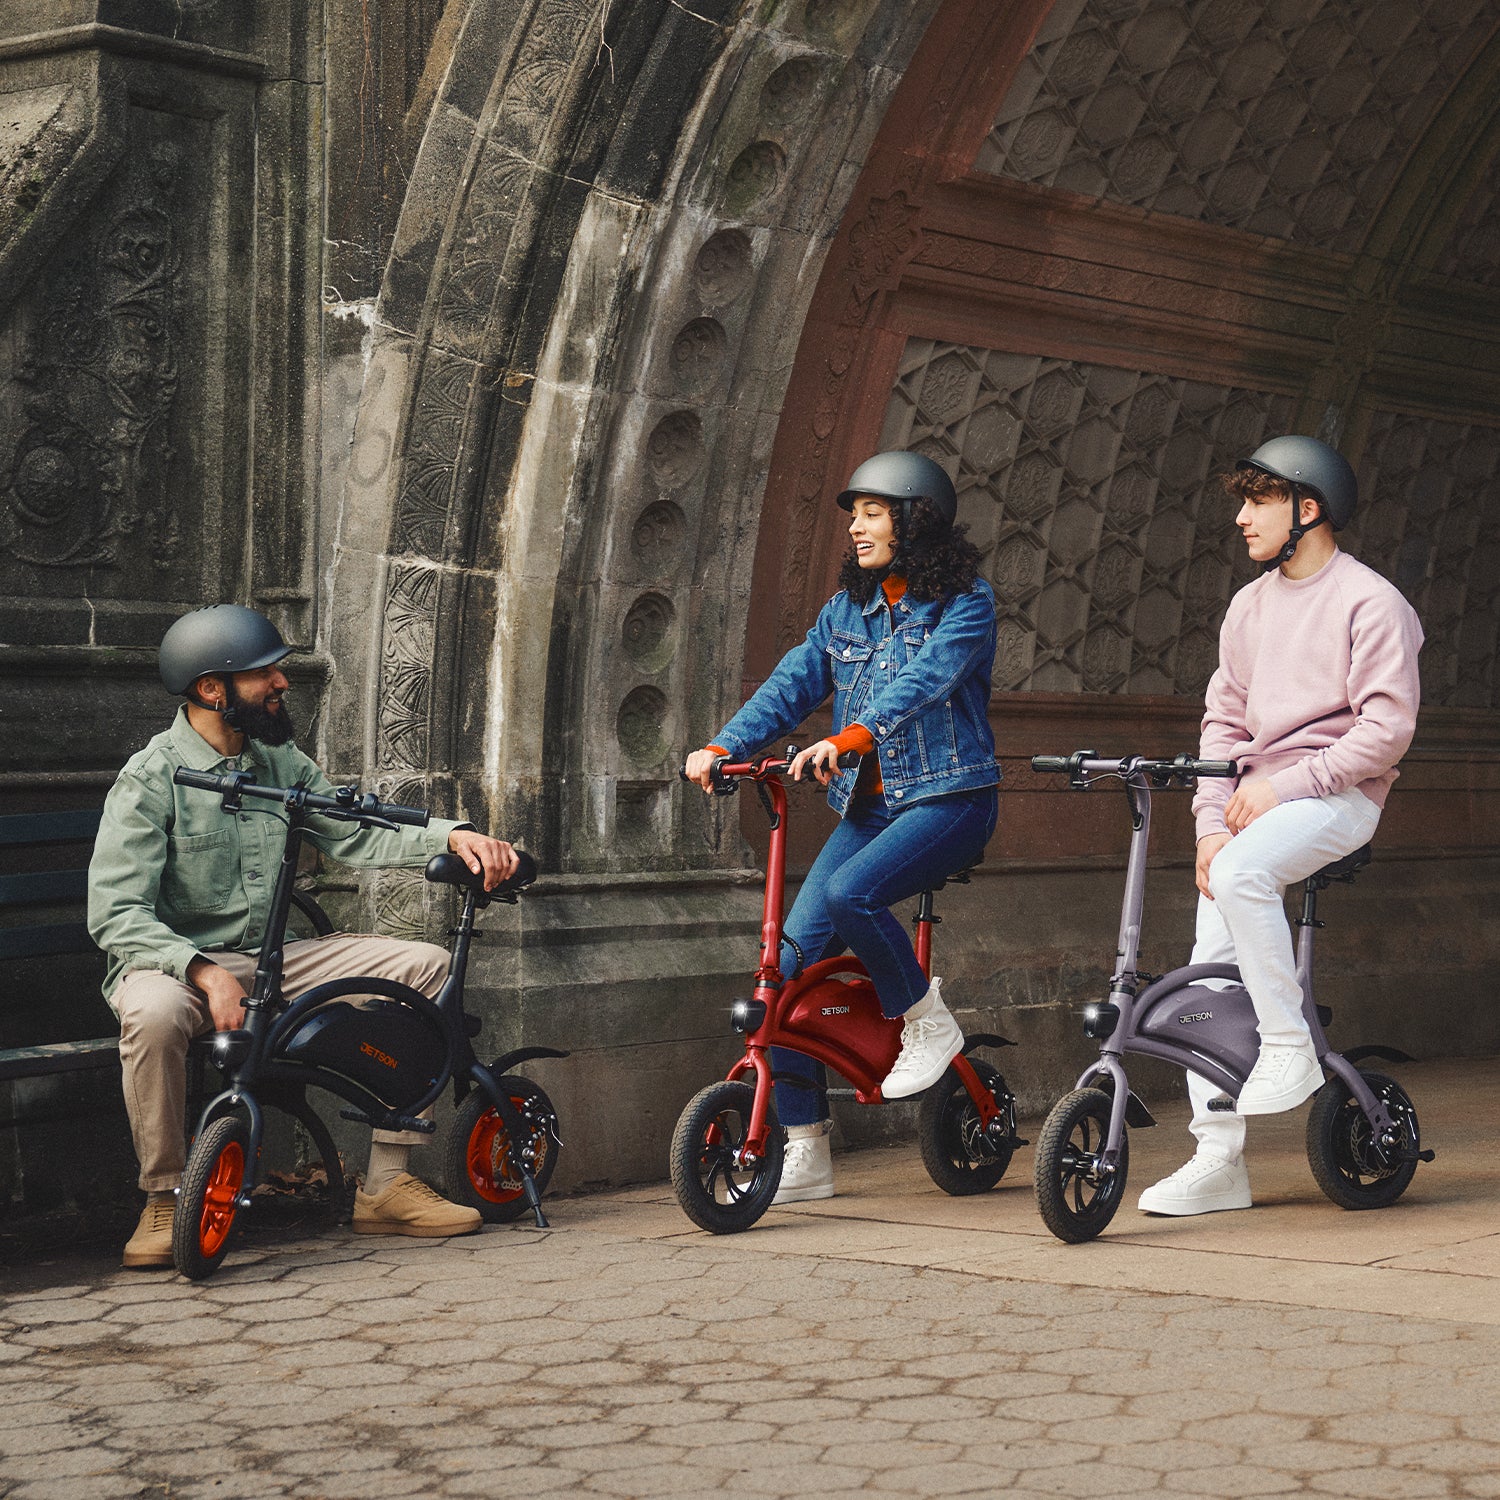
(1205,1185)
(930,1040)
(1281,1079)
(807,1166)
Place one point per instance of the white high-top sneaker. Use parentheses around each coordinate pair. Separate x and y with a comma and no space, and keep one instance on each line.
(807,1167)
(930,1040)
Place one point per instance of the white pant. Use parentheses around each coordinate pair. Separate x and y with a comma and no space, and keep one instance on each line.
(1246,924)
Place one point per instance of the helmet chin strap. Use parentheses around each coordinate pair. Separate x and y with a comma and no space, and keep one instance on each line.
(1294,536)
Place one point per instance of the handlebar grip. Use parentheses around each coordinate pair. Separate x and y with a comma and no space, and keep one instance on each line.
(417,817)
(205,781)
(1216,768)
(1051,763)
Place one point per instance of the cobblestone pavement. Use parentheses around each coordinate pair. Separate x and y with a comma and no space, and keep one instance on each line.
(889,1341)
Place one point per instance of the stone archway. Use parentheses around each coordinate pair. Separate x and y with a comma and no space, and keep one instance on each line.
(572,386)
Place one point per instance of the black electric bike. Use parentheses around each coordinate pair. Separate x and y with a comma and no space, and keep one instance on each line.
(381,1046)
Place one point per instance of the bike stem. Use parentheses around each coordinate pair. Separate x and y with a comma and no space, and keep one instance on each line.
(768,975)
(1128,943)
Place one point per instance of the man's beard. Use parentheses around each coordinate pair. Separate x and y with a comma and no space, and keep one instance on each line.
(257,722)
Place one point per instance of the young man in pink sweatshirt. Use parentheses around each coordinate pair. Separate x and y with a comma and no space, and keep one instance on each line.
(1316,697)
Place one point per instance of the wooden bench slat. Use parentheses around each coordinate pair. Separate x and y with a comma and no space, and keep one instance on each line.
(17,830)
(43,885)
(59,1057)
(46,940)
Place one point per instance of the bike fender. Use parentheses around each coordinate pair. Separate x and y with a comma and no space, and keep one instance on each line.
(986,1039)
(1137,1116)
(508,1060)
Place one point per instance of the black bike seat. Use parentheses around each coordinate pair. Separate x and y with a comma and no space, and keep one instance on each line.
(449,869)
(1341,869)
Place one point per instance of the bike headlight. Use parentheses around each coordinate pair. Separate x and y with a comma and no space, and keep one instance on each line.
(1100,1019)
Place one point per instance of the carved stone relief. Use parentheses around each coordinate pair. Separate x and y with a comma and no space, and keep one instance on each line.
(1289,120)
(86,455)
(1085,486)
(1429,520)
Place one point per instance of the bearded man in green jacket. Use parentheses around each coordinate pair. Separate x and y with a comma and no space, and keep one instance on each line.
(179,895)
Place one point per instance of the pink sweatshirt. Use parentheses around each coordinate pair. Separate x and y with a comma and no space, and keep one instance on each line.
(1317,687)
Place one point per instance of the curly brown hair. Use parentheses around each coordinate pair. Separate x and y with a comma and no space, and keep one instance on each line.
(1256,484)
(938,561)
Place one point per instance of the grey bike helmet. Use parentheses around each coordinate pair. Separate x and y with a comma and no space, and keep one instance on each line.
(222,638)
(905,477)
(1314,466)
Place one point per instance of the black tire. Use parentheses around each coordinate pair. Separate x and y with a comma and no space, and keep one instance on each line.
(957,1152)
(1076,1203)
(715,1193)
(208,1202)
(1341,1147)
(476,1157)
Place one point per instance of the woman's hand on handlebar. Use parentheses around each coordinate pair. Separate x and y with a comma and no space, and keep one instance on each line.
(823,757)
(493,858)
(697,768)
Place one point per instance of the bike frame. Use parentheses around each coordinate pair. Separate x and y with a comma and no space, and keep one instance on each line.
(250,1057)
(1223,1043)
(829,1012)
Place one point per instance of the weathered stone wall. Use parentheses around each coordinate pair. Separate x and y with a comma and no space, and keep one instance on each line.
(506,351)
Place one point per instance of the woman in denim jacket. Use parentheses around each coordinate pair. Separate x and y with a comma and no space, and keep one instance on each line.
(906,647)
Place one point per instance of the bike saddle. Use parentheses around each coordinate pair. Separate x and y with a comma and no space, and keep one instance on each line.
(449,869)
(1345,868)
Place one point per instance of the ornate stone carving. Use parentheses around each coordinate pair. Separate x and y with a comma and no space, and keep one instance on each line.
(658,536)
(406,645)
(434,441)
(1429,520)
(1289,120)
(723,268)
(698,354)
(754,178)
(675,449)
(98,386)
(641,727)
(1098,483)
(646,634)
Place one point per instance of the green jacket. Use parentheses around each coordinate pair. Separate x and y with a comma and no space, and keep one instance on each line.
(174,876)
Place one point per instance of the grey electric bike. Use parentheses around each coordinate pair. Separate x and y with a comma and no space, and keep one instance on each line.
(1363,1141)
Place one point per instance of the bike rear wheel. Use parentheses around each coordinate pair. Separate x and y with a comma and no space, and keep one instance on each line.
(1076,1197)
(208,1201)
(962,1157)
(719,1191)
(1351,1167)
(477,1168)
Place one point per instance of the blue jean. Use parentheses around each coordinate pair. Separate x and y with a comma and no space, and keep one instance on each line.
(874,858)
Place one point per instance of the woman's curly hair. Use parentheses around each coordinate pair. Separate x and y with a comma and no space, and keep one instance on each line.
(937,562)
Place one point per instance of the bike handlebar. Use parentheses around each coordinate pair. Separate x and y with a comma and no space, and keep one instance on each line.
(1085,763)
(347,803)
(725,771)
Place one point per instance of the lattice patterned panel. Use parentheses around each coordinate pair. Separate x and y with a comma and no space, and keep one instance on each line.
(1289,119)
(1429,520)
(1084,485)
(1473,251)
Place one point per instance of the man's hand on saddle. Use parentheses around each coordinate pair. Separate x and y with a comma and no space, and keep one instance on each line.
(223,992)
(493,858)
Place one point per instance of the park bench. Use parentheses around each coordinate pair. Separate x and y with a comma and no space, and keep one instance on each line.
(30,949)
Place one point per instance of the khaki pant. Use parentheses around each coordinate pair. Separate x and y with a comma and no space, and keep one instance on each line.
(160,1015)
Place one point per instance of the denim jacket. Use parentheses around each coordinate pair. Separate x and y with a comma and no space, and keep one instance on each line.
(916,675)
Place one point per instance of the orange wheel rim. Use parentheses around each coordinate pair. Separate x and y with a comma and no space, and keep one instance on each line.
(488,1157)
(221,1199)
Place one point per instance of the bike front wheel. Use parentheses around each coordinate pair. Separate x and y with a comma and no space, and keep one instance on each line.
(1077,1196)
(1349,1164)
(718,1190)
(959,1154)
(208,1202)
(477,1168)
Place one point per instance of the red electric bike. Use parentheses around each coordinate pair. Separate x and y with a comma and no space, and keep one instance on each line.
(727,1147)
